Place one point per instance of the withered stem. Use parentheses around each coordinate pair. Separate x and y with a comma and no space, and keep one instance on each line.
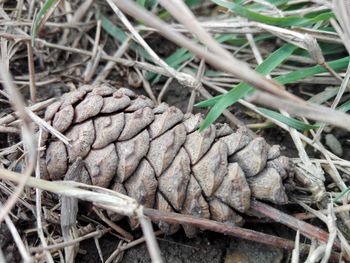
(175,218)
(247,234)
(305,228)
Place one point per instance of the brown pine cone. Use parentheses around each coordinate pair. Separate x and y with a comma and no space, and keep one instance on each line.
(156,155)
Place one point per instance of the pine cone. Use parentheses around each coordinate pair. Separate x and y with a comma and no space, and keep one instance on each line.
(157,156)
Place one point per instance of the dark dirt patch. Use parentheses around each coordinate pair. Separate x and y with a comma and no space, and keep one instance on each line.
(7,245)
(207,247)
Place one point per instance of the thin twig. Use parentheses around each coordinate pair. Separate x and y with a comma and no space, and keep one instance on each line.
(38,208)
(27,135)
(47,127)
(36,107)
(304,228)
(104,198)
(17,239)
(339,209)
(149,235)
(97,233)
(31,68)
(340,93)
(186,79)
(110,64)
(127,236)
(115,253)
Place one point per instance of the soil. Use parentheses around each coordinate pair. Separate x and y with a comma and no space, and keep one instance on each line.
(7,245)
(208,247)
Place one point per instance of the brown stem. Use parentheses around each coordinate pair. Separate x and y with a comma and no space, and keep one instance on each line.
(31,68)
(227,229)
(305,228)
(175,218)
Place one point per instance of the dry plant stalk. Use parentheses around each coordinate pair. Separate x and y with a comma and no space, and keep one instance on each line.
(156,156)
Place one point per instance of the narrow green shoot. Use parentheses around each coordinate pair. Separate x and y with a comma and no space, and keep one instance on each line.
(291,122)
(242,89)
(40,16)
(276,21)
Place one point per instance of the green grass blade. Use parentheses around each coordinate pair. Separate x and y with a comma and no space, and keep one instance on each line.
(344,107)
(120,35)
(210,102)
(141,2)
(277,2)
(342,194)
(181,55)
(39,17)
(307,72)
(293,123)
(242,89)
(291,77)
(147,3)
(277,21)
(174,60)
(177,58)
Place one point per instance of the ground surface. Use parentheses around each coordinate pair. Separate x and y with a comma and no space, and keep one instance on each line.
(206,248)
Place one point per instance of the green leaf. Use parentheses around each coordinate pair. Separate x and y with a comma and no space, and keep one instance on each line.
(307,72)
(277,2)
(120,35)
(174,60)
(293,123)
(209,102)
(39,17)
(147,3)
(181,55)
(277,21)
(342,194)
(242,89)
(344,107)
(111,29)
(141,2)
(292,77)
(193,2)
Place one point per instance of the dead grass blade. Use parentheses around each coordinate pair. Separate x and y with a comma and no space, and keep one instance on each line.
(340,93)
(183,78)
(218,60)
(17,239)
(38,207)
(296,250)
(307,110)
(27,136)
(341,9)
